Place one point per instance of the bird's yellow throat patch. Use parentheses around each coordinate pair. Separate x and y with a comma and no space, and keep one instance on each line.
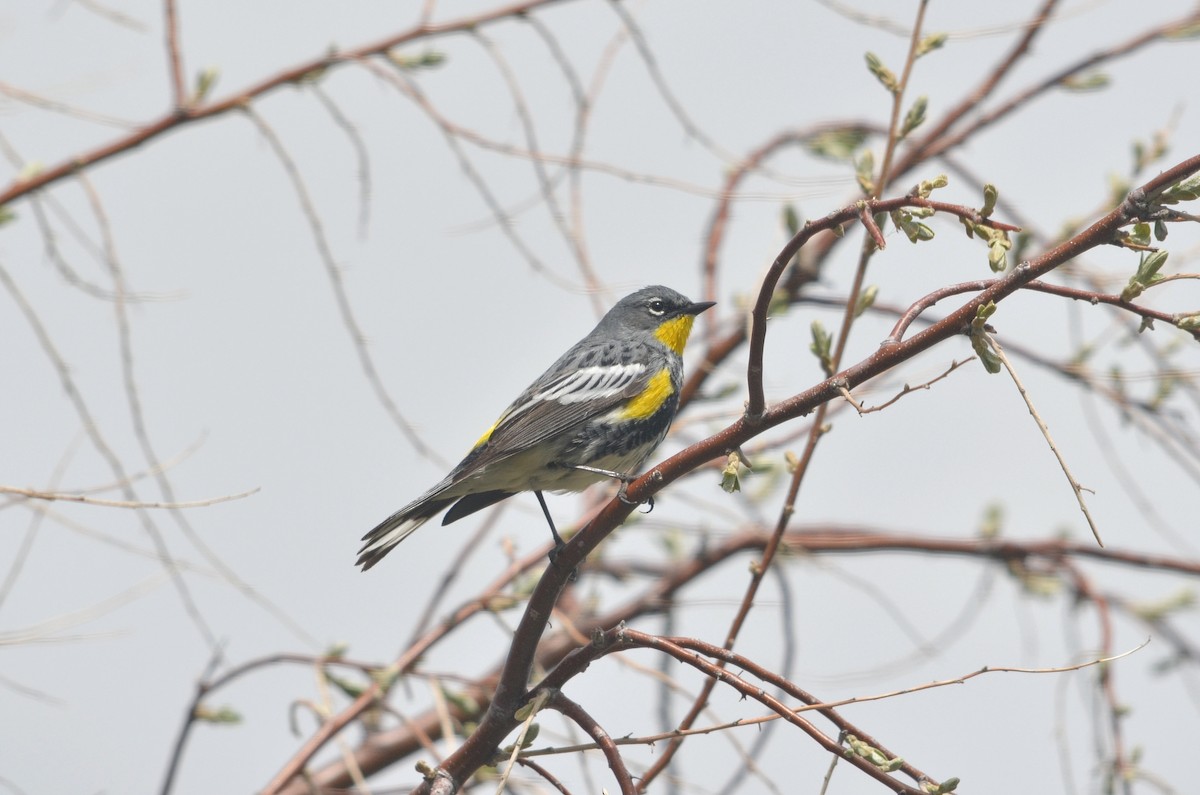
(674,332)
(652,397)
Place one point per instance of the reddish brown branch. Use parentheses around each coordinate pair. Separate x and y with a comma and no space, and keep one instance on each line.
(918,307)
(174,57)
(549,777)
(394,744)
(932,146)
(685,651)
(590,725)
(859,210)
(920,151)
(181,116)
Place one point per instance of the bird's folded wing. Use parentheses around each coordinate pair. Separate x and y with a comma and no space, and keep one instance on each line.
(555,405)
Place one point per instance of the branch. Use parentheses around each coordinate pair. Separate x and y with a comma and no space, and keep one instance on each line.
(603,741)
(1062,462)
(58,496)
(174,58)
(179,117)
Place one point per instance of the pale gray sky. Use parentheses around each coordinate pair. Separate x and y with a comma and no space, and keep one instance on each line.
(249,379)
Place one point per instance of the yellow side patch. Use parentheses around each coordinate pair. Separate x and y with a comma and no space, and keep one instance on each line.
(653,396)
(486,435)
(674,332)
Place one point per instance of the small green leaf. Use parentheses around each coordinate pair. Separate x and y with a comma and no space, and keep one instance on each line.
(1184,598)
(501,602)
(1021,245)
(915,116)
(884,75)
(872,754)
(903,221)
(933,41)
(988,357)
(779,304)
(998,255)
(1145,154)
(866,300)
(204,84)
(1146,274)
(1160,230)
(864,172)
(928,186)
(991,362)
(426,60)
(1094,81)
(990,195)
(731,475)
(225,715)
(30,170)
(1140,234)
(1188,30)
(836,144)
(944,788)
(791,219)
(1185,191)
(6,215)
(822,346)
(982,314)
(1187,322)
(463,701)
(993,521)
(351,689)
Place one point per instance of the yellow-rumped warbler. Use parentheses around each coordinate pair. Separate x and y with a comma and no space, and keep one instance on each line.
(598,412)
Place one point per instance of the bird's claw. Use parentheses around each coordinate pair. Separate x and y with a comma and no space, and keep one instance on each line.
(553,556)
(623,496)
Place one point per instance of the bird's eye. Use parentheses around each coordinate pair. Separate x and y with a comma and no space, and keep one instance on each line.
(657,307)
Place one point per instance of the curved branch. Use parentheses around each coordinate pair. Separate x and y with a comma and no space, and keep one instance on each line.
(181,116)
(590,725)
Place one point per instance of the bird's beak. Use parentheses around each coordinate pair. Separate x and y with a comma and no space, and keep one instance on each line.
(697,307)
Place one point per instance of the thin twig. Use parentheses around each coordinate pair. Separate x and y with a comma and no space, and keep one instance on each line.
(239,100)
(533,707)
(361,154)
(654,739)
(545,185)
(174,56)
(1062,463)
(112,15)
(17,563)
(58,496)
(341,298)
(452,133)
(954,365)
(55,106)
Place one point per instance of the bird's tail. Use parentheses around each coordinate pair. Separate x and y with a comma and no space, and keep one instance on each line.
(394,529)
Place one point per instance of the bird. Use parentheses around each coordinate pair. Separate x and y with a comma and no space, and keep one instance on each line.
(598,412)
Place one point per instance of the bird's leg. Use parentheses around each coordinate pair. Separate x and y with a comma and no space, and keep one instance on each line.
(558,542)
(625,480)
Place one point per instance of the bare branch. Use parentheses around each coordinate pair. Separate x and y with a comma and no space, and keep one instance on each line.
(55,496)
(1062,463)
